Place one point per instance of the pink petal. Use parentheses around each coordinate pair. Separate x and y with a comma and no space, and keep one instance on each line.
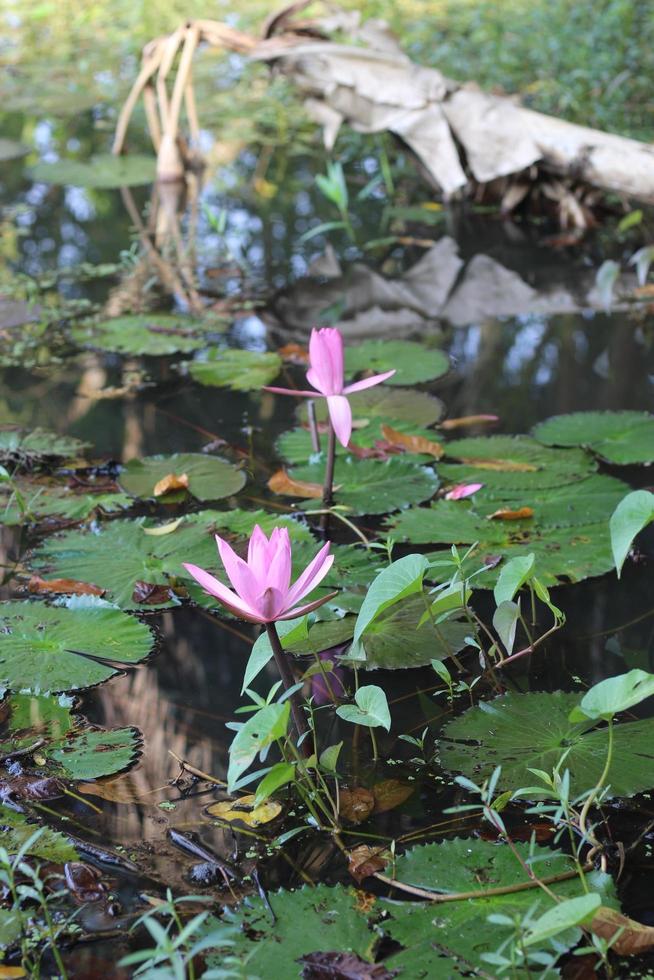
(224,595)
(303,610)
(278,573)
(326,357)
(291,391)
(368,382)
(311,576)
(462,490)
(316,379)
(246,583)
(269,604)
(257,549)
(340,414)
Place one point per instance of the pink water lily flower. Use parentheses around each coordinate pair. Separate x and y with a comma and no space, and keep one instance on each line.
(262,585)
(326,374)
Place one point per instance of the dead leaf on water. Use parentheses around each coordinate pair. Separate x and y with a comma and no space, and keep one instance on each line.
(356,804)
(163,528)
(10,972)
(280,482)
(466,420)
(170,482)
(634,938)
(363,861)
(63,586)
(390,793)
(151,594)
(341,966)
(412,444)
(244,811)
(504,465)
(504,514)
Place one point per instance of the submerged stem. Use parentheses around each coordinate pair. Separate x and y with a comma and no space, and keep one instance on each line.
(328,485)
(286,674)
(313,426)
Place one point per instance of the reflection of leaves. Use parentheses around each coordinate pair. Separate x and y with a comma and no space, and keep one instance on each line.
(413,363)
(370,486)
(23,445)
(522,731)
(47,648)
(240,370)
(152,333)
(355,804)
(69,747)
(207,477)
(619,437)
(104,170)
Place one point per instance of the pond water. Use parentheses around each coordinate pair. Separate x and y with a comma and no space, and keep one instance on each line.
(517,313)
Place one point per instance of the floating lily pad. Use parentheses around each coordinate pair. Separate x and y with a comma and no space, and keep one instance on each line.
(390,404)
(101,171)
(585,502)
(368,486)
(209,478)
(154,334)
(240,370)
(522,731)
(561,553)
(71,748)
(444,941)
(513,463)
(49,846)
(413,362)
(295,445)
(45,497)
(618,437)
(53,648)
(393,640)
(12,149)
(31,446)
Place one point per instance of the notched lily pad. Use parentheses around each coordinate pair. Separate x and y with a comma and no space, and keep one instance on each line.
(30,446)
(618,437)
(414,363)
(47,497)
(513,463)
(240,370)
(522,731)
(101,171)
(206,477)
(55,648)
(154,334)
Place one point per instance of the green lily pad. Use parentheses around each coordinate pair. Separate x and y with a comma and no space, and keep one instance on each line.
(72,749)
(31,446)
(154,334)
(209,478)
(49,846)
(618,437)
(54,648)
(585,502)
(295,445)
(393,640)
(444,941)
(522,731)
(12,149)
(561,553)
(45,497)
(101,171)
(368,486)
(513,463)
(240,370)
(413,363)
(390,404)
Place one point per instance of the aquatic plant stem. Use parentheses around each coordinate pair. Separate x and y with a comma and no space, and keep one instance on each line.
(288,680)
(313,425)
(583,816)
(328,486)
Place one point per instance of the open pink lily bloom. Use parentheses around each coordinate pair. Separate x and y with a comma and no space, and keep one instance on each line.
(326,374)
(262,585)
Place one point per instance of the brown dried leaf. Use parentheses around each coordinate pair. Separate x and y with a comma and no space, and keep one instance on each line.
(342,966)
(12,972)
(169,483)
(84,882)
(32,788)
(363,861)
(504,514)
(467,420)
(244,811)
(505,465)
(64,586)
(644,292)
(356,804)
(280,482)
(633,939)
(294,353)
(151,594)
(412,444)
(390,793)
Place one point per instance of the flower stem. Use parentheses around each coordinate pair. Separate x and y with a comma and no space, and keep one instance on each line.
(286,674)
(313,426)
(328,486)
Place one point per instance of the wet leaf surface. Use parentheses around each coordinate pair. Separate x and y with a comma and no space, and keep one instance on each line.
(205,477)
(240,370)
(372,486)
(154,334)
(618,437)
(413,362)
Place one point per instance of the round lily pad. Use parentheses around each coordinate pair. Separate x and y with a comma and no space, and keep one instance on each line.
(513,463)
(240,370)
(618,437)
(413,362)
(54,648)
(154,334)
(584,502)
(72,748)
(101,171)
(523,731)
(31,446)
(390,404)
(207,477)
(368,486)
